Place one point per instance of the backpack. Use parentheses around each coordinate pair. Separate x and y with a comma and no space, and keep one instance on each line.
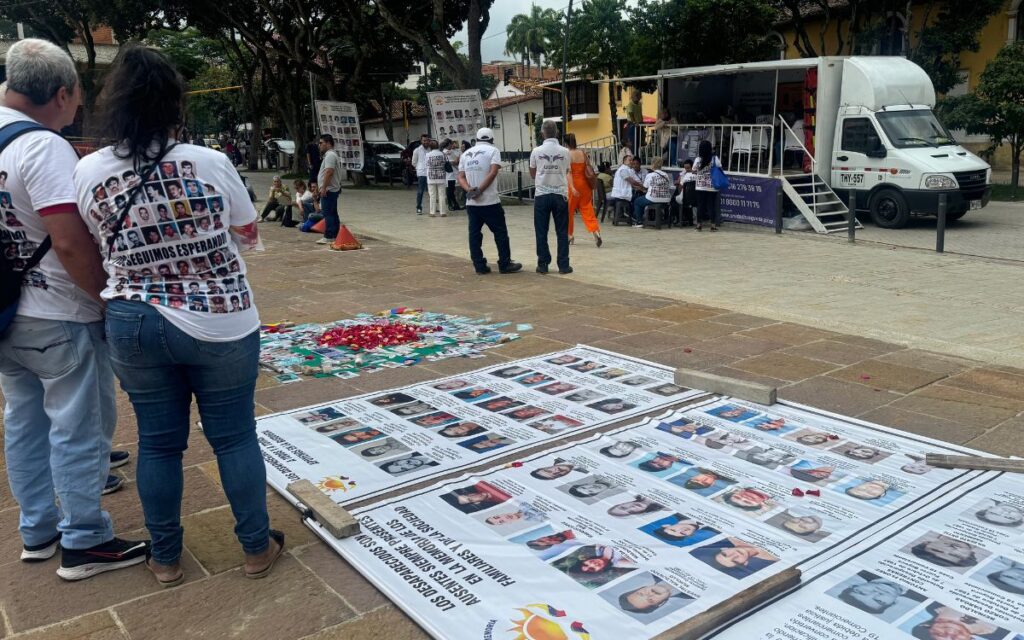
(10,279)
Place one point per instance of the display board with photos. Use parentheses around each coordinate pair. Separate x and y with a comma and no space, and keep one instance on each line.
(456,114)
(341,120)
(954,573)
(632,532)
(363,446)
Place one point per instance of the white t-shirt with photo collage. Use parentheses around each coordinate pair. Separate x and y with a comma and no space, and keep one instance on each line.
(35,180)
(435,167)
(175,250)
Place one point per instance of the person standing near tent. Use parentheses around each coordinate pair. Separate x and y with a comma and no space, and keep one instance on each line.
(707,195)
(549,166)
(634,118)
(419,163)
(478,176)
(329,180)
(581,190)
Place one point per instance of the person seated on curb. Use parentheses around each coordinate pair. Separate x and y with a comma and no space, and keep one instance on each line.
(278,198)
(657,190)
(305,202)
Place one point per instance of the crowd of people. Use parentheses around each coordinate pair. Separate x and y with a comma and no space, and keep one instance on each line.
(126,262)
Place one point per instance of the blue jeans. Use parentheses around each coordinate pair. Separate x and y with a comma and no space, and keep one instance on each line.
(161,368)
(421,188)
(638,209)
(58,424)
(329,209)
(546,208)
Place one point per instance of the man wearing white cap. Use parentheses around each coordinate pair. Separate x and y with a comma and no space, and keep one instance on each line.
(478,176)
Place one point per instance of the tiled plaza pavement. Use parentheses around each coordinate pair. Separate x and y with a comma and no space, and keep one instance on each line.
(312,593)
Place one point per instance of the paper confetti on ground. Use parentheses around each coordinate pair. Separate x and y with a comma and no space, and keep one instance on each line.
(367,343)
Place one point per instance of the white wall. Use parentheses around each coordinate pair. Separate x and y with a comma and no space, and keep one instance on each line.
(510,125)
(375,132)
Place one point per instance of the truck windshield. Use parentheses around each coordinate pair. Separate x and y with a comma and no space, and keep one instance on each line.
(917,128)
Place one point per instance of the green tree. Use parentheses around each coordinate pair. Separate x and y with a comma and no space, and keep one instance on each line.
(996,106)
(598,43)
(533,36)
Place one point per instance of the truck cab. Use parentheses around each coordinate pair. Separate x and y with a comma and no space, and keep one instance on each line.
(891,150)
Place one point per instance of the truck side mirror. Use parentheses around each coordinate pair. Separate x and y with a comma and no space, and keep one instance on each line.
(877,152)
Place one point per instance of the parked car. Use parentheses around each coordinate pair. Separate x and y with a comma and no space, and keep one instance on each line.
(383,158)
(280,145)
(212,143)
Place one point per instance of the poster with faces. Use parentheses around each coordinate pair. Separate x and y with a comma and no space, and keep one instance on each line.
(341,120)
(360,447)
(455,115)
(630,533)
(955,573)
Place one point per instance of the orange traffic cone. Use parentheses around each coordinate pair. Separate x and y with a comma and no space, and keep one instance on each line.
(345,241)
(319,227)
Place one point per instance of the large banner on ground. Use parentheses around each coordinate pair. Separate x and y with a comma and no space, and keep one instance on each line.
(455,114)
(359,447)
(954,573)
(341,120)
(633,532)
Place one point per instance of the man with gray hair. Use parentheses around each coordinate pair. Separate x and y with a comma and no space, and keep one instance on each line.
(549,167)
(54,367)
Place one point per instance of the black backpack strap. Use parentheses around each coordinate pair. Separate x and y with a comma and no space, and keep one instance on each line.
(8,134)
(130,196)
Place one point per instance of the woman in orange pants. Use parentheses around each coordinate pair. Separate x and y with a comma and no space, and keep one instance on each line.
(581,196)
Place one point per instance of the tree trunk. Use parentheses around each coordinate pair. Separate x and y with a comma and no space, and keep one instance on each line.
(1016,147)
(385,107)
(611,112)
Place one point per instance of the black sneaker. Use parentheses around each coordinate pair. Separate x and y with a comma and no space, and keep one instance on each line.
(79,564)
(40,552)
(119,458)
(565,271)
(114,483)
(511,267)
(483,272)
(541,269)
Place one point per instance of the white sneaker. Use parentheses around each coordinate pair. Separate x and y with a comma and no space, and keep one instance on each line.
(638,226)
(323,241)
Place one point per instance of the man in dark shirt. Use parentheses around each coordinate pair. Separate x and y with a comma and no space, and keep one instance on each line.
(313,159)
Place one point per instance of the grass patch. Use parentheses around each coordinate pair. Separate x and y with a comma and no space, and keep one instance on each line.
(1006,193)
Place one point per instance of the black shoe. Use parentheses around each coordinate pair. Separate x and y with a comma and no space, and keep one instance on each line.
(511,267)
(40,552)
(80,564)
(114,483)
(119,458)
(483,272)
(566,271)
(542,269)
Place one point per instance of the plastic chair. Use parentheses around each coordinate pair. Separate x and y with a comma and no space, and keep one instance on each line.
(622,211)
(655,214)
(601,204)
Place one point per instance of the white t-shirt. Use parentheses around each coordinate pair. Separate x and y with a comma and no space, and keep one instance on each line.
(551,160)
(453,159)
(476,163)
(435,167)
(188,265)
(621,188)
(331,160)
(419,160)
(704,176)
(306,197)
(36,180)
(659,186)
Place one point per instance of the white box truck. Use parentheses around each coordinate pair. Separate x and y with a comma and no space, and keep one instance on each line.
(874,129)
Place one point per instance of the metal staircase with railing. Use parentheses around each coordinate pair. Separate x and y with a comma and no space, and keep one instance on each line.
(811,195)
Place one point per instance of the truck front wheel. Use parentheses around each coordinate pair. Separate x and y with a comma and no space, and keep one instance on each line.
(889,209)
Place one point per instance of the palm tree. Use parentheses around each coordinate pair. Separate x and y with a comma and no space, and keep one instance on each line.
(530,35)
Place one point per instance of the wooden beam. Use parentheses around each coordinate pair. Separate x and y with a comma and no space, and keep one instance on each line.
(702,623)
(974,462)
(325,511)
